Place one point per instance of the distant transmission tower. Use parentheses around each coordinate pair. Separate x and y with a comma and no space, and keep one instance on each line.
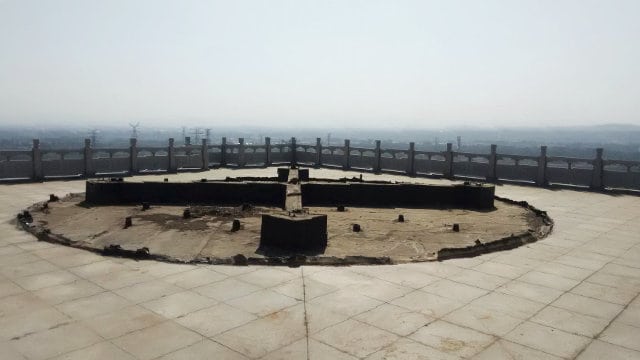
(134,130)
(196,134)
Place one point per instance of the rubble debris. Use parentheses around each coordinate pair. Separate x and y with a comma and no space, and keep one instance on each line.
(400,218)
(186,214)
(53,198)
(145,206)
(456,227)
(356,228)
(127,222)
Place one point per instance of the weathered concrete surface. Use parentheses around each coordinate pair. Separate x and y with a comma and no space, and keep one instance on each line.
(571,295)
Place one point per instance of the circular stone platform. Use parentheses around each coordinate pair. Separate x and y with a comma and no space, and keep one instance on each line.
(208,234)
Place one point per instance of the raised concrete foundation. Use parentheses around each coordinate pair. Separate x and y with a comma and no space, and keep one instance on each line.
(300,233)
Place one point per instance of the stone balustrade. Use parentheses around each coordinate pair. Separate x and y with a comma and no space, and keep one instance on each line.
(38,164)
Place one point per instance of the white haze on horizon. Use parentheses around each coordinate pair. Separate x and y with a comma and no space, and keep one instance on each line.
(320,64)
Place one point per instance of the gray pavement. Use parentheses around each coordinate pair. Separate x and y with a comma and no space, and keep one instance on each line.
(571,295)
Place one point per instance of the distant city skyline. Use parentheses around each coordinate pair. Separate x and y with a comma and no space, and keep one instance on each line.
(320,64)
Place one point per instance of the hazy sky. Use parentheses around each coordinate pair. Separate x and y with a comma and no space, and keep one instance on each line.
(320,63)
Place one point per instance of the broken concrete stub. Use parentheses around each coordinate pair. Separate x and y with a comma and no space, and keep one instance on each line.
(301,233)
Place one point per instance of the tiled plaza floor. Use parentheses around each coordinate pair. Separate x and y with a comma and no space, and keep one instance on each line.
(572,295)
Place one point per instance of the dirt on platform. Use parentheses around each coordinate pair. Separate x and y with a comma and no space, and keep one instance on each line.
(208,234)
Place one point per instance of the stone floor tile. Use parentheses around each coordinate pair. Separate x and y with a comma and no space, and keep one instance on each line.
(346,302)
(428,304)
(529,291)
(588,306)
(510,305)
(484,320)
(9,352)
(394,319)
(120,279)
(503,349)
(500,269)
(452,339)
(232,270)
(66,292)
(340,278)
(381,290)
(179,304)
(96,269)
(621,270)
(292,288)
(56,341)
(454,290)
(40,281)
(205,349)
(313,289)
(268,277)
(22,270)
(8,287)
(10,250)
(579,262)
(297,350)
(407,277)
(620,296)
(120,322)
(146,291)
(93,305)
(320,317)
(215,320)
(518,261)
(194,278)
(320,351)
(630,316)
(102,350)
(566,271)
(623,335)
(158,340)
(75,260)
(598,350)
(227,289)
(549,280)
(262,302)
(406,349)
(355,338)
(20,304)
(16,325)
(614,281)
(570,321)
(479,279)
(18,259)
(264,335)
(436,269)
(547,339)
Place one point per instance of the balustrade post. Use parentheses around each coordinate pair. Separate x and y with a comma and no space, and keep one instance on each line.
(542,167)
(318,152)
(448,162)
(267,151)
(492,176)
(36,157)
(411,165)
(597,178)
(294,160)
(241,161)
(89,169)
(133,156)
(205,154)
(171,157)
(377,166)
(346,162)
(223,152)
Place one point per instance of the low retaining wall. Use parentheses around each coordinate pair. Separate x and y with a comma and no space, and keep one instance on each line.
(398,195)
(219,193)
